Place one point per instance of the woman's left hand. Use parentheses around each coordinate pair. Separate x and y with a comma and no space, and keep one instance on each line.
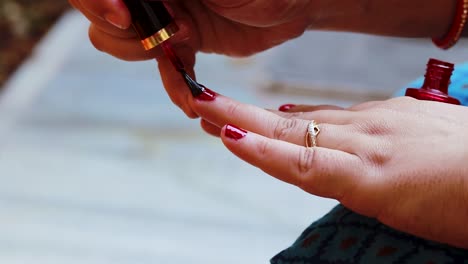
(402,161)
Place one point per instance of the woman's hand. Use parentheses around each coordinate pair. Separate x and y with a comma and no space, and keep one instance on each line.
(241,28)
(230,27)
(402,161)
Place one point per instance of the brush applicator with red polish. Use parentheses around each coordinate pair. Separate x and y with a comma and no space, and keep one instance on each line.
(154,25)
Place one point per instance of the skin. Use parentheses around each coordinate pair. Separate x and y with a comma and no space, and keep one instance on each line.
(401,161)
(251,26)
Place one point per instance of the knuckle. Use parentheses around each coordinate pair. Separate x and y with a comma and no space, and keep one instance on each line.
(284,128)
(365,106)
(303,166)
(379,156)
(295,115)
(233,109)
(263,149)
(373,127)
(405,100)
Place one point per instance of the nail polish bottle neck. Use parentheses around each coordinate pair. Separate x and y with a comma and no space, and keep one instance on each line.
(436,83)
(438,75)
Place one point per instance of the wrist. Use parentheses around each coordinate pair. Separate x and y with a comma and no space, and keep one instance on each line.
(403,18)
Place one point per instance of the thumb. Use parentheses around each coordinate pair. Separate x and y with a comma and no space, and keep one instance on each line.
(174,83)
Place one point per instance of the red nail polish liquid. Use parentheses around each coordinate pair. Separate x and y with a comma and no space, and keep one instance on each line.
(286,107)
(206,94)
(436,83)
(172,56)
(234,132)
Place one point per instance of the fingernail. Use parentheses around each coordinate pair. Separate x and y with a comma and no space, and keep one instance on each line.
(206,95)
(234,132)
(286,107)
(198,90)
(114,20)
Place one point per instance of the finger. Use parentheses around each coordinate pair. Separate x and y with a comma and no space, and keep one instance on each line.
(174,83)
(223,111)
(337,117)
(320,171)
(130,49)
(290,108)
(118,31)
(210,128)
(365,106)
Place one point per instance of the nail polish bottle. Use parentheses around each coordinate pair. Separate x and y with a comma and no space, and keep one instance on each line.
(151,21)
(436,83)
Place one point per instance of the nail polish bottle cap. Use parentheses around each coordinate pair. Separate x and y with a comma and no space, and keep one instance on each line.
(436,83)
(151,21)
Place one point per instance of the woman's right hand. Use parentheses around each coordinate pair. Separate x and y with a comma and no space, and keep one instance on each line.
(230,27)
(245,27)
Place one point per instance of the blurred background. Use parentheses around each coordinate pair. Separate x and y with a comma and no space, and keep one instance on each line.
(97,165)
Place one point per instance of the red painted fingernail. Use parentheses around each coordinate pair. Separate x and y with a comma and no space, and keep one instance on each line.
(206,95)
(286,107)
(234,132)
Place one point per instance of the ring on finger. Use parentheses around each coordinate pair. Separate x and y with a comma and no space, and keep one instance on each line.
(313,130)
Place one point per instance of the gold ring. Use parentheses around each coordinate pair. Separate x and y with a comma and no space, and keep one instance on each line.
(313,130)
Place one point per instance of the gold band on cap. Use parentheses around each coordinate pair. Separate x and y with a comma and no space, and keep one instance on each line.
(161,36)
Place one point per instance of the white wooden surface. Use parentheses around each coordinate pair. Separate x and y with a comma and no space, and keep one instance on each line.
(97,166)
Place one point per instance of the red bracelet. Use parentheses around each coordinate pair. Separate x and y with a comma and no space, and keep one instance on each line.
(453,35)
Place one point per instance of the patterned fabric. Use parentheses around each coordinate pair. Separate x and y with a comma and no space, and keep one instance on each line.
(344,237)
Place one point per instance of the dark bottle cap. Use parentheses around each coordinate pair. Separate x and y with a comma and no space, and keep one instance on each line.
(151,21)
(436,83)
